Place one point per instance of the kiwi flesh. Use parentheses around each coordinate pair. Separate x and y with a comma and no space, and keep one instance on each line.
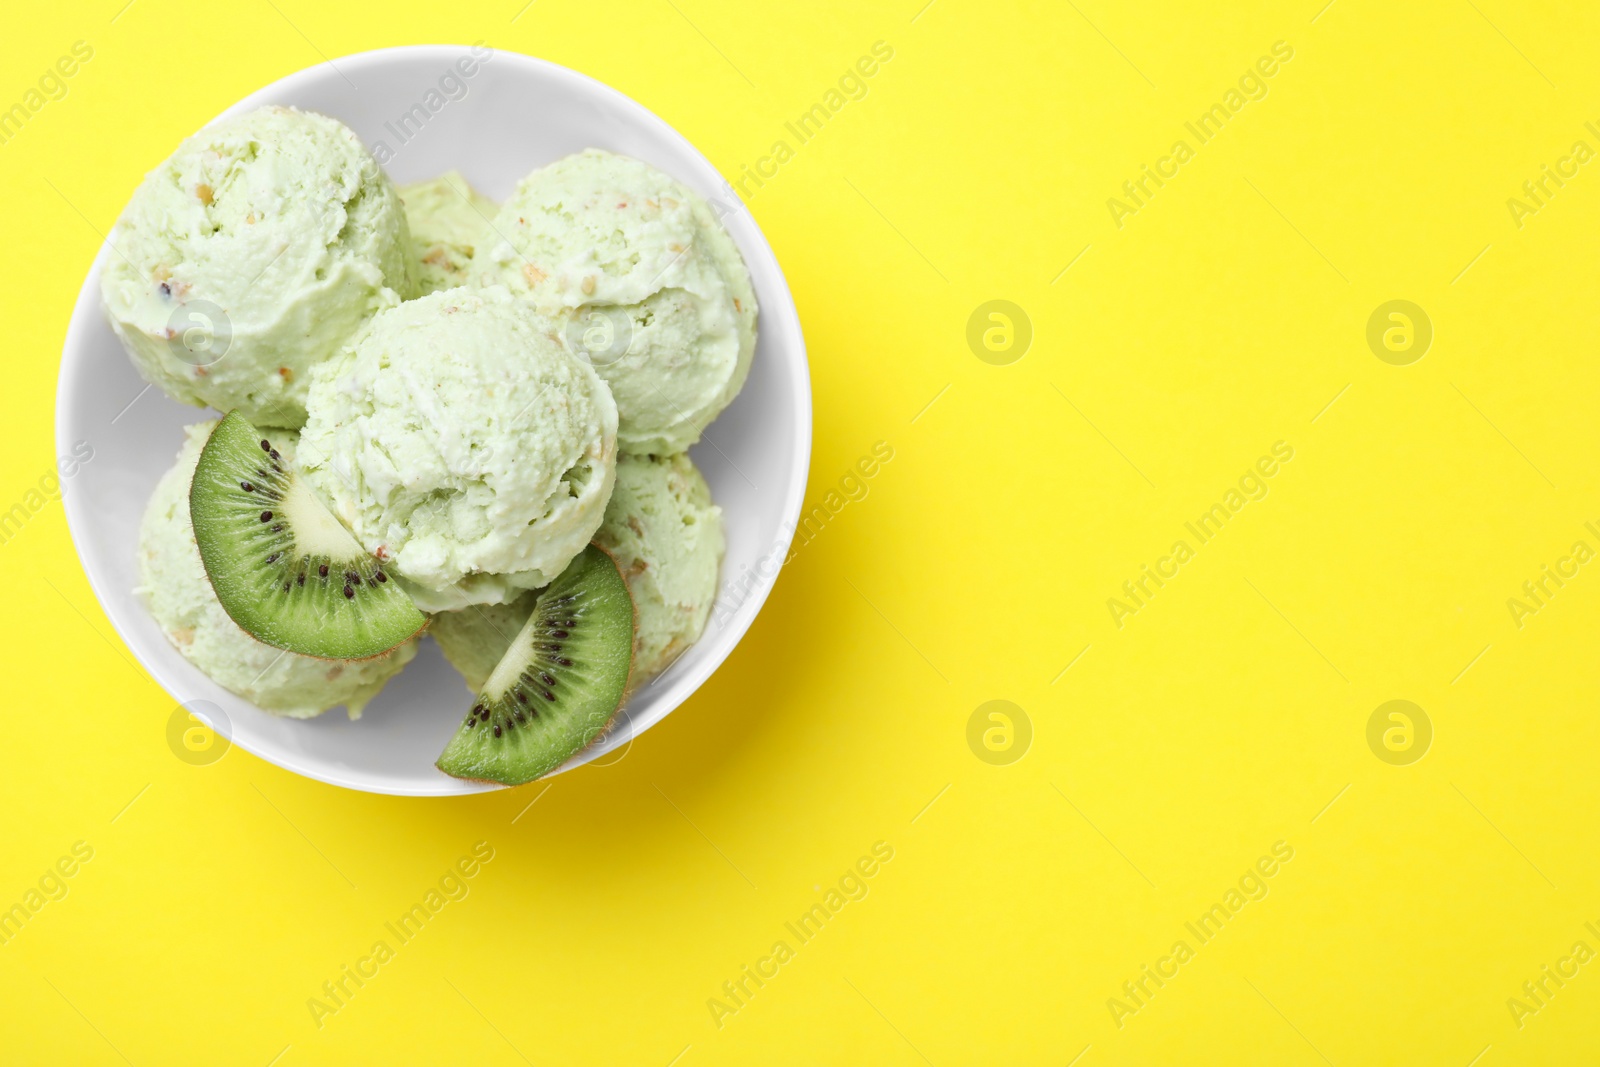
(283,567)
(558,685)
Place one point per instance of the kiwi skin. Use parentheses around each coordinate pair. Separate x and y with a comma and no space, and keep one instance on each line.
(560,683)
(282,566)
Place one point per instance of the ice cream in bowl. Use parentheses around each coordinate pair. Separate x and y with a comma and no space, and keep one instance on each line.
(507,434)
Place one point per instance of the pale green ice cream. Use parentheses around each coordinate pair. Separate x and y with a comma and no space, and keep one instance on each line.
(253,253)
(646,283)
(459,439)
(450,226)
(174,586)
(665,534)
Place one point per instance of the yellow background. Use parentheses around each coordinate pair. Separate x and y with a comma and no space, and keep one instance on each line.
(1223,717)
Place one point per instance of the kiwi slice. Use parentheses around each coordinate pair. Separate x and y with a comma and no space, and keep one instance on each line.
(282,565)
(559,683)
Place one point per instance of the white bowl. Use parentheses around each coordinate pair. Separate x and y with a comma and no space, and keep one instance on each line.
(517,113)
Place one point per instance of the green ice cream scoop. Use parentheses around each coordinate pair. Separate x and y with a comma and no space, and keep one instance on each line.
(666,536)
(647,286)
(460,440)
(254,252)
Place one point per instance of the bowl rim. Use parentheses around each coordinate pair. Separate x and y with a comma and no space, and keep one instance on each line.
(86,315)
